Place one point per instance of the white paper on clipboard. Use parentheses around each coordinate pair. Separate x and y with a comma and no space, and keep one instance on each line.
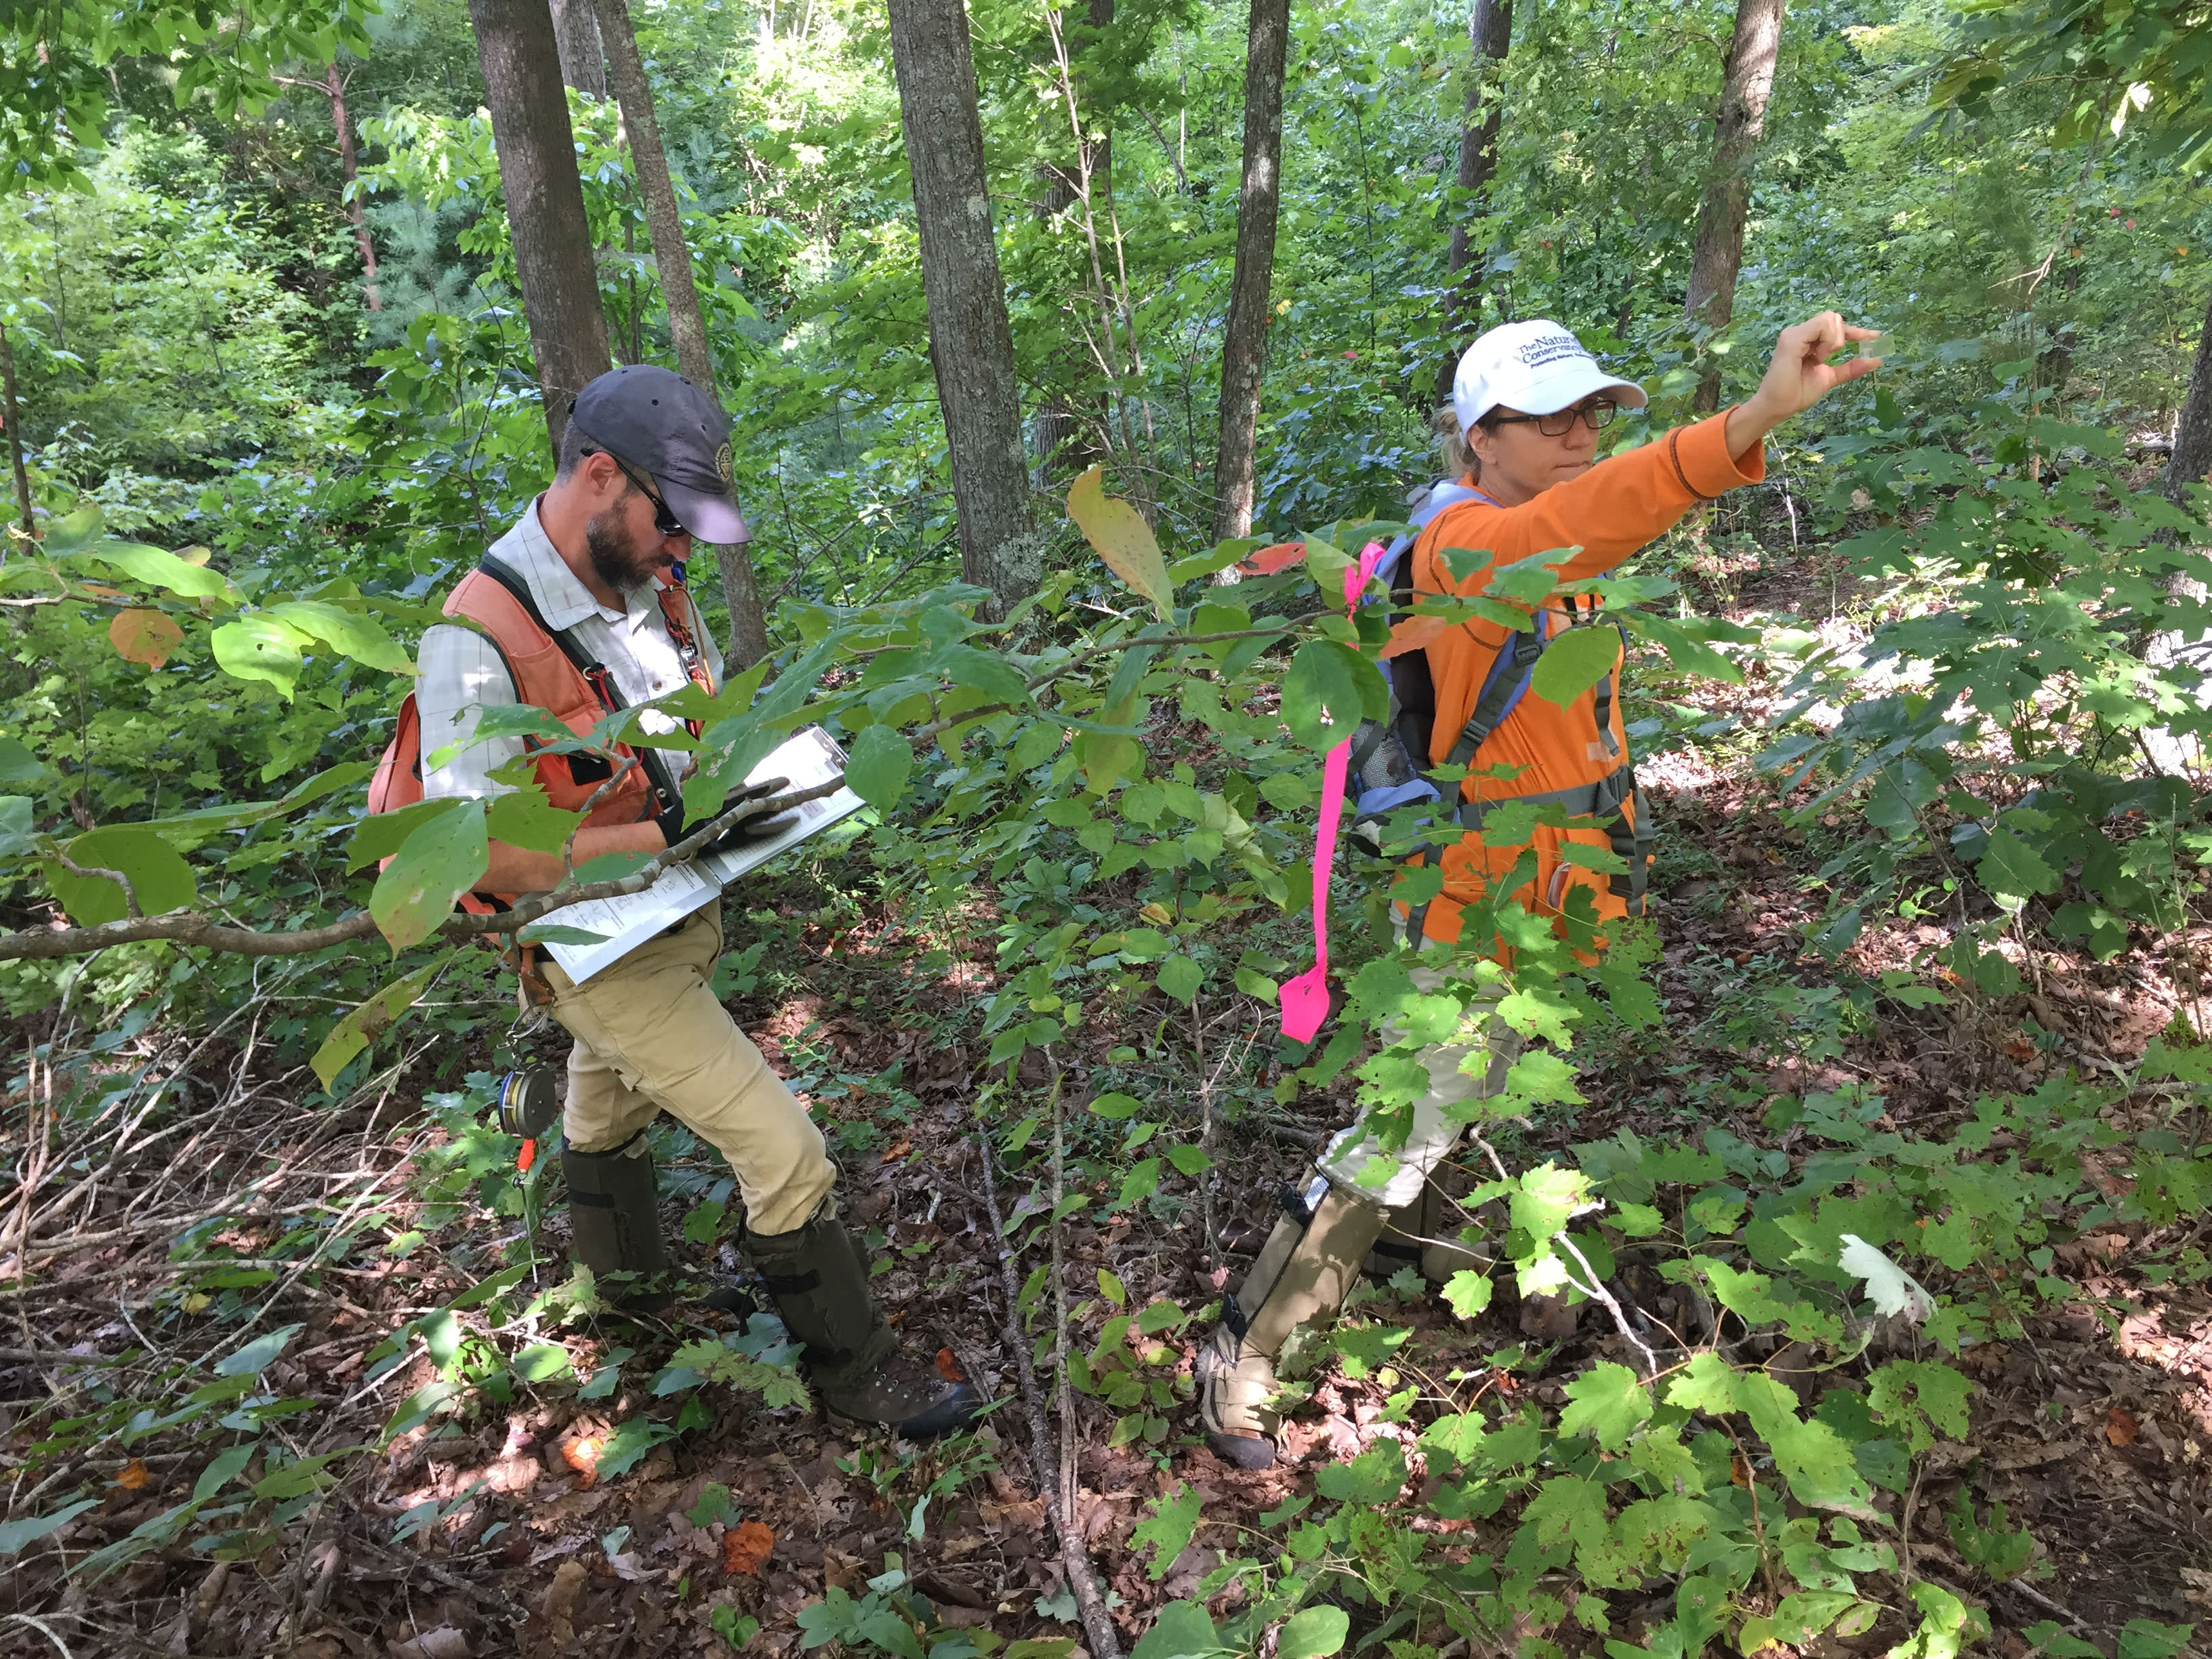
(809,758)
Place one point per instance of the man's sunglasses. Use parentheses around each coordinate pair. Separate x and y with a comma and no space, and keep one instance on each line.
(1598,411)
(663,516)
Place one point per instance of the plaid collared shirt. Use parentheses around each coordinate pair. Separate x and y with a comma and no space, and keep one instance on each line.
(462,673)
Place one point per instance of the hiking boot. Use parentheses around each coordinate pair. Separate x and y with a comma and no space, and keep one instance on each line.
(1420,1235)
(820,1285)
(1301,1276)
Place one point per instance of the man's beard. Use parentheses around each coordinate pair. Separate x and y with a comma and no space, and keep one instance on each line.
(616,558)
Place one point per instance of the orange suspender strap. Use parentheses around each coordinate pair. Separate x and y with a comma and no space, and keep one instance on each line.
(687,645)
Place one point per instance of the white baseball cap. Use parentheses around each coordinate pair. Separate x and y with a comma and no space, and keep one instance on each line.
(1536,366)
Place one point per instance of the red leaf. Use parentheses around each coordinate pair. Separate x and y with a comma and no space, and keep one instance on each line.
(746,1548)
(146,636)
(1266,561)
(949,1368)
(582,1455)
(2121,1427)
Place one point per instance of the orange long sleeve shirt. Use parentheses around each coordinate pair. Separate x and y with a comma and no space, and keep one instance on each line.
(1596,521)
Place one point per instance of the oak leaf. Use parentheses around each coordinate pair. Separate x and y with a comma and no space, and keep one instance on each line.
(134,1474)
(2121,1427)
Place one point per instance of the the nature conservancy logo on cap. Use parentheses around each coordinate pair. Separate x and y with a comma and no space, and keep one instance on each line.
(725,463)
(1550,348)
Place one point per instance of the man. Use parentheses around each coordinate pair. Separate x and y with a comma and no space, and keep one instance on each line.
(583,611)
(1529,400)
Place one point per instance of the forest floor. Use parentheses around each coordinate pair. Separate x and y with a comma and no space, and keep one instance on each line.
(2092,1429)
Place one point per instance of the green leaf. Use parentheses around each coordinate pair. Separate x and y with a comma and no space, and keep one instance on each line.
(877,766)
(543,1362)
(228,1464)
(257,1356)
(261,647)
(1606,1402)
(158,568)
(1469,1291)
(1182,1630)
(524,817)
(1574,662)
(2012,870)
(1545,1197)
(1329,689)
(14,1534)
(1180,977)
(1124,540)
(155,871)
(18,765)
(1166,1532)
(350,633)
(370,1020)
(1313,1633)
(1189,1160)
(18,824)
(441,859)
(629,1442)
(1373,1477)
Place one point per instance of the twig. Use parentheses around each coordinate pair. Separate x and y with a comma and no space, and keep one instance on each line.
(1082,1577)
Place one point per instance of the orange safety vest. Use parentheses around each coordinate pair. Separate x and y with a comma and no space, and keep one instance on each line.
(549,671)
(1577,756)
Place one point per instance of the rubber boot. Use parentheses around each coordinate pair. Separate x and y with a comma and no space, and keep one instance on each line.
(1301,1276)
(1422,1234)
(614,1214)
(820,1285)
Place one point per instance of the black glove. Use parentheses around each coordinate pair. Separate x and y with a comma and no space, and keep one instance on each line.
(674,828)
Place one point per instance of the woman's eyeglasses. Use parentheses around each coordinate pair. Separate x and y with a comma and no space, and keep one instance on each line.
(1598,412)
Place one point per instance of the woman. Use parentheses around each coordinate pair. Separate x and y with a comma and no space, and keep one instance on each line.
(1530,400)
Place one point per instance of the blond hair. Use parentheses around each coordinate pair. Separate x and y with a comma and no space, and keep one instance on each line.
(1453,450)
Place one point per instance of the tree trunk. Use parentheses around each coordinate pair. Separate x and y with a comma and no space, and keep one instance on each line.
(671,256)
(1490,31)
(15,446)
(576,33)
(1244,348)
(2191,460)
(1746,82)
(971,345)
(545,200)
(352,170)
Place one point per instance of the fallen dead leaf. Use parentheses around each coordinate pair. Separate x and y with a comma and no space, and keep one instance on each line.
(896,1150)
(949,1368)
(2121,1427)
(443,1642)
(582,1455)
(1739,1470)
(746,1548)
(134,1474)
(2020,1049)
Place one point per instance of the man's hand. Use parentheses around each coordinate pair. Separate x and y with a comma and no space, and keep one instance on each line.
(756,828)
(1799,376)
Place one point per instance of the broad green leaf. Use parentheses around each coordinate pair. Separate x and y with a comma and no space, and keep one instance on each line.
(370,1020)
(18,824)
(379,834)
(14,1534)
(1606,1402)
(629,1443)
(1166,1532)
(1373,1477)
(442,860)
(1182,1630)
(158,568)
(1468,1292)
(257,1356)
(524,817)
(1313,1633)
(157,872)
(1123,539)
(543,1362)
(228,1465)
(259,647)
(2010,869)
(1329,689)
(18,765)
(1917,1396)
(1545,1197)
(1180,977)
(1574,662)
(350,633)
(877,766)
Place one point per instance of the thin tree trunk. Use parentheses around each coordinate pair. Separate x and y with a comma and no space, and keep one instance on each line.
(15,441)
(1243,350)
(2191,460)
(545,200)
(1490,31)
(687,323)
(971,346)
(1746,82)
(348,166)
(576,34)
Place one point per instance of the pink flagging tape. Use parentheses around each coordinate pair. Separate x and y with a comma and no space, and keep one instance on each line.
(1304,1000)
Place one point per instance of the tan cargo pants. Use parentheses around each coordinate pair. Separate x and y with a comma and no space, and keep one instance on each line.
(651,1036)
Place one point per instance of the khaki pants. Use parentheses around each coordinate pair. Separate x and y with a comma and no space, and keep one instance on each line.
(1458,1071)
(650,1036)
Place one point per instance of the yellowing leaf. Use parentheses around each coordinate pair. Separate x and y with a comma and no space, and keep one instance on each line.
(1123,539)
(146,636)
(259,647)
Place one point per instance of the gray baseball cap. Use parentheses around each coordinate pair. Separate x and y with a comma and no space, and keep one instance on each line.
(657,419)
